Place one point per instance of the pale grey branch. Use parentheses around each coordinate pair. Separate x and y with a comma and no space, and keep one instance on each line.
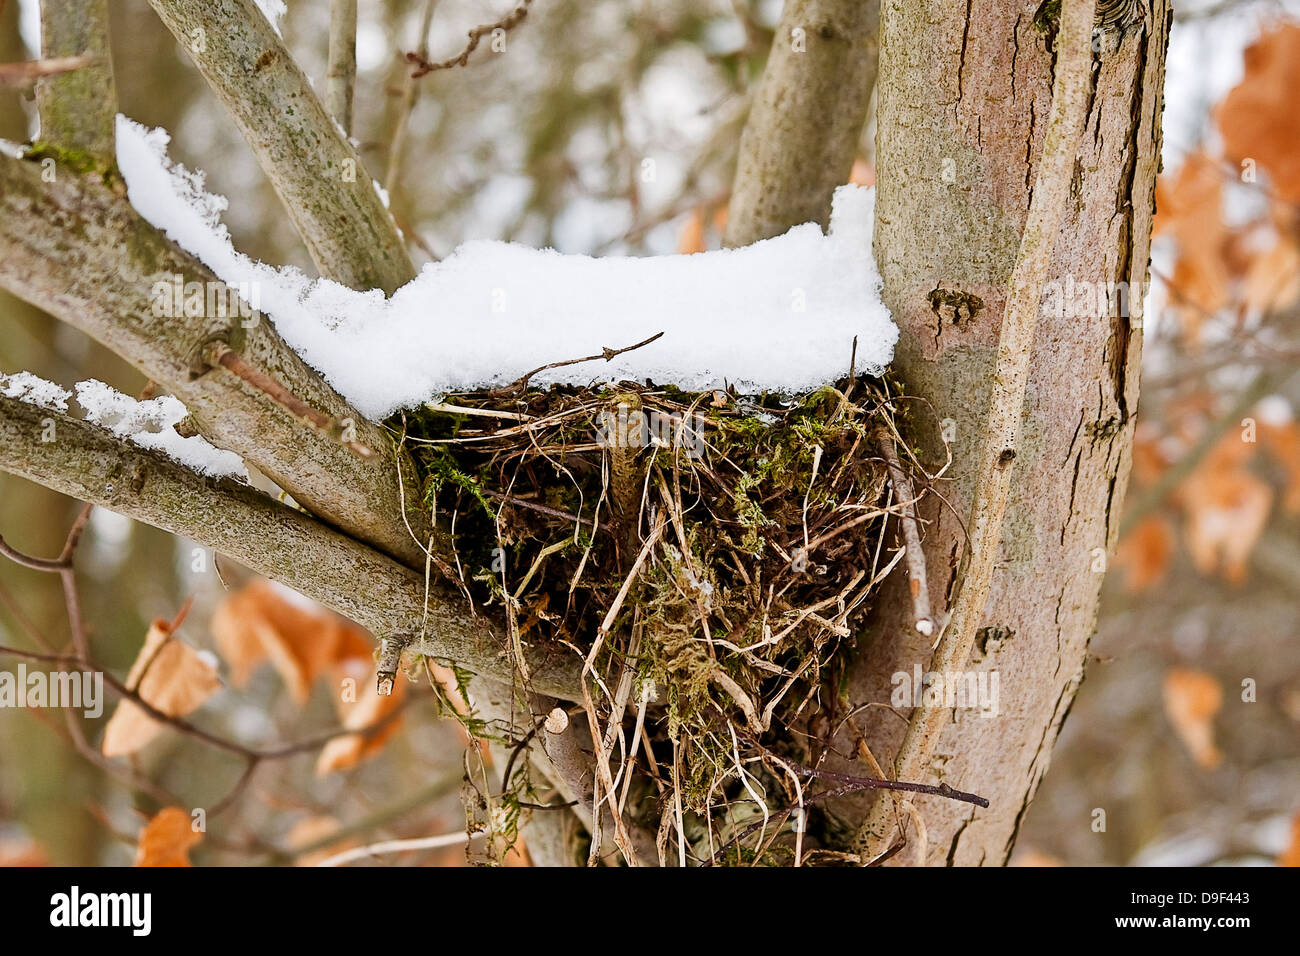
(77,108)
(86,462)
(804,126)
(342,71)
(76,248)
(315,170)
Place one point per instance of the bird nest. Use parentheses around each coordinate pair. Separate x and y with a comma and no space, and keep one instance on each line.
(704,556)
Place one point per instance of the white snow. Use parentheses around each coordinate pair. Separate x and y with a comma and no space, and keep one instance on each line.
(779,315)
(149,425)
(273,10)
(34,390)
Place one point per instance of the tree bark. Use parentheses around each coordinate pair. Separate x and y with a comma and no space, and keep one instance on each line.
(964,92)
(88,463)
(78,109)
(804,127)
(77,249)
(315,170)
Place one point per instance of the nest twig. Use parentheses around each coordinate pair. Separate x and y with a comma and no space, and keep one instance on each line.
(705,552)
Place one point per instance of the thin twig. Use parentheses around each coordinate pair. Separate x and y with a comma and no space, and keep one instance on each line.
(508,22)
(341,74)
(394,846)
(28,72)
(340,430)
(410,93)
(607,354)
(923,619)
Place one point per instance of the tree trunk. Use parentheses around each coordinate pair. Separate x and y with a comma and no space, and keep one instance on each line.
(964,92)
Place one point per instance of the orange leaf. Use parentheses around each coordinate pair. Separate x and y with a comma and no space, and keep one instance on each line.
(1192,698)
(171,677)
(1028,856)
(1283,443)
(1191,210)
(1258,118)
(1291,855)
(1227,508)
(362,708)
(302,640)
(166,839)
(691,239)
(1145,552)
(19,850)
(1272,280)
(311,830)
(863,173)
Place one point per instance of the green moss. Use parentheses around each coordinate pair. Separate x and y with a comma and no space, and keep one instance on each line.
(79,161)
(1047,19)
(723,578)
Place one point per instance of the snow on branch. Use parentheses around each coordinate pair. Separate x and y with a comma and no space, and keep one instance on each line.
(34,390)
(780,315)
(151,424)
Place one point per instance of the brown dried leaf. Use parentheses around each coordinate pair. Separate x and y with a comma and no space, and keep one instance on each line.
(20,850)
(1291,855)
(1190,208)
(1192,698)
(313,829)
(303,641)
(166,839)
(1272,280)
(361,708)
(1283,443)
(1145,551)
(168,675)
(1258,119)
(1029,856)
(1227,508)
(691,239)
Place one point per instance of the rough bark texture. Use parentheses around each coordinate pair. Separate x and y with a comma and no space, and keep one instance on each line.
(77,249)
(342,70)
(88,463)
(318,175)
(77,108)
(965,87)
(809,108)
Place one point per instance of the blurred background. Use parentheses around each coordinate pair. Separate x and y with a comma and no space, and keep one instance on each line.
(611,127)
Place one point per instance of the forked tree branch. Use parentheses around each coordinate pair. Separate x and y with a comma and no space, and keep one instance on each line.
(315,170)
(77,249)
(86,462)
(1006,407)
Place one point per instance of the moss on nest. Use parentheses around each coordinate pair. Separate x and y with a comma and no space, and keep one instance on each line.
(717,549)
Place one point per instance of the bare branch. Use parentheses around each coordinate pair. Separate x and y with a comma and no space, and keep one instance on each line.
(905,496)
(410,93)
(508,22)
(28,72)
(78,109)
(88,463)
(77,249)
(314,169)
(342,71)
(806,120)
